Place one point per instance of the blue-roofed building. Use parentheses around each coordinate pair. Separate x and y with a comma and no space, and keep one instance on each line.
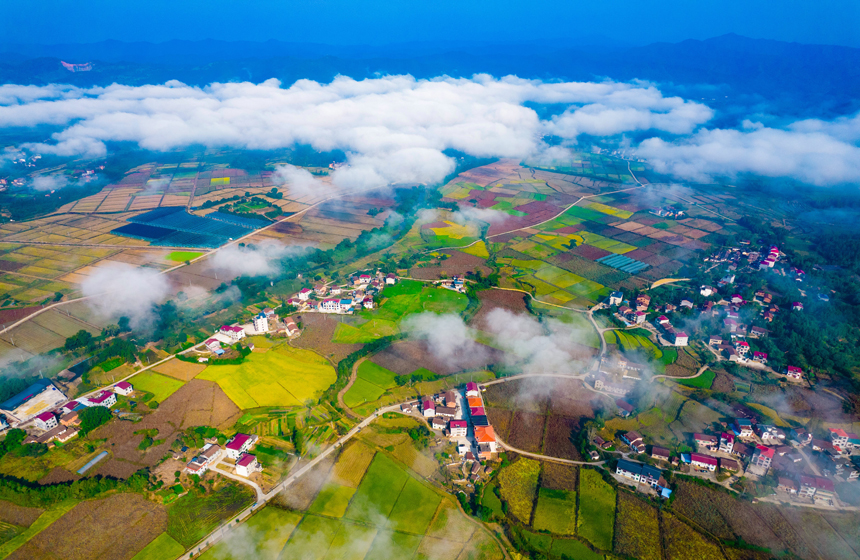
(629,469)
(32,401)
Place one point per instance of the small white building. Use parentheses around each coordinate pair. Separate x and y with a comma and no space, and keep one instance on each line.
(305,294)
(261,323)
(428,408)
(329,306)
(46,421)
(247,465)
(458,428)
(391,279)
(472,389)
(123,388)
(615,298)
(104,398)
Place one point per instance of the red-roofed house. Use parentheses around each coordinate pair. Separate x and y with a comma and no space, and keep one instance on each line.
(238,444)
(46,421)
(703,462)
(477,412)
(760,357)
(797,306)
(634,440)
(680,338)
(429,408)
(123,388)
(486,435)
(762,457)
(625,408)
(247,464)
(233,332)
(742,347)
(105,398)
(727,442)
(793,373)
(705,440)
(472,389)
(458,428)
(68,407)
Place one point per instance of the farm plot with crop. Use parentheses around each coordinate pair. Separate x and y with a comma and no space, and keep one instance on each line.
(596,509)
(192,517)
(378,491)
(683,543)
(159,385)
(177,369)
(283,376)
(163,546)
(332,500)
(518,483)
(637,529)
(556,511)
(527,431)
(415,508)
(267,533)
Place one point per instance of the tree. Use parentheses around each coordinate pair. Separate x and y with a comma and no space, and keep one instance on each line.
(80,339)
(93,417)
(124,324)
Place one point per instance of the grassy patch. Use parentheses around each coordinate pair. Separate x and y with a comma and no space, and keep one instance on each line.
(159,385)
(283,376)
(637,529)
(479,249)
(556,511)
(192,517)
(704,381)
(312,538)
(164,546)
(182,256)
(415,508)
(376,374)
(518,486)
(596,509)
(378,491)
(571,548)
(332,500)
(362,391)
(352,464)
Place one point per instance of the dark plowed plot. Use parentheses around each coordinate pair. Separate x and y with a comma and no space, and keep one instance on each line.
(12,315)
(317,335)
(456,264)
(405,357)
(11,266)
(724,383)
(527,431)
(57,475)
(116,527)
(558,442)
(589,252)
(18,515)
(528,395)
(289,228)
(495,299)
(500,420)
(570,398)
(197,403)
(559,477)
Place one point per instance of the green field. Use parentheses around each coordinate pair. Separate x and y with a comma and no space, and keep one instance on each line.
(159,385)
(332,500)
(378,491)
(377,375)
(570,548)
(283,376)
(182,256)
(704,381)
(368,332)
(361,392)
(164,546)
(596,509)
(414,508)
(556,511)
(518,483)
(192,517)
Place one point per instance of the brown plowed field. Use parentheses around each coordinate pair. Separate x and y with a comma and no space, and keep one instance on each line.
(559,477)
(493,299)
(527,431)
(119,526)
(317,333)
(59,474)
(559,433)
(457,264)
(18,515)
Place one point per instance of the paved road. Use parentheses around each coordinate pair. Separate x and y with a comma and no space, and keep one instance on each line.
(259,491)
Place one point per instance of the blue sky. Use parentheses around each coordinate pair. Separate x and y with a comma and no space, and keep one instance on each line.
(392,21)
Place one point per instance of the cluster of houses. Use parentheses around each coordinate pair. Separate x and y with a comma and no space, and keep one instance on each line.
(641,473)
(358,293)
(263,323)
(237,448)
(456,283)
(445,413)
(60,424)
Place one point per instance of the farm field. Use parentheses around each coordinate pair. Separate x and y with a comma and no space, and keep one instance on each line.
(182,256)
(283,376)
(518,483)
(556,511)
(159,385)
(596,509)
(178,369)
(41,523)
(371,382)
(164,546)
(265,534)
(192,517)
(332,500)
(637,529)
(704,381)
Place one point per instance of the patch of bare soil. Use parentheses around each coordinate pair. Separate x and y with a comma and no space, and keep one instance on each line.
(457,263)
(18,515)
(118,526)
(407,356)
(317,334)
(495,299)
(59,474)
(197,403)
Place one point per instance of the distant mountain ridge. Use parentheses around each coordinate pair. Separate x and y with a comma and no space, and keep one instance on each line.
(796,79)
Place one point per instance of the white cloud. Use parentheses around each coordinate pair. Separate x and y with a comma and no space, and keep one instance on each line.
(300,181)
(49,182)
(812,157)
(118,290)
(261,259)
